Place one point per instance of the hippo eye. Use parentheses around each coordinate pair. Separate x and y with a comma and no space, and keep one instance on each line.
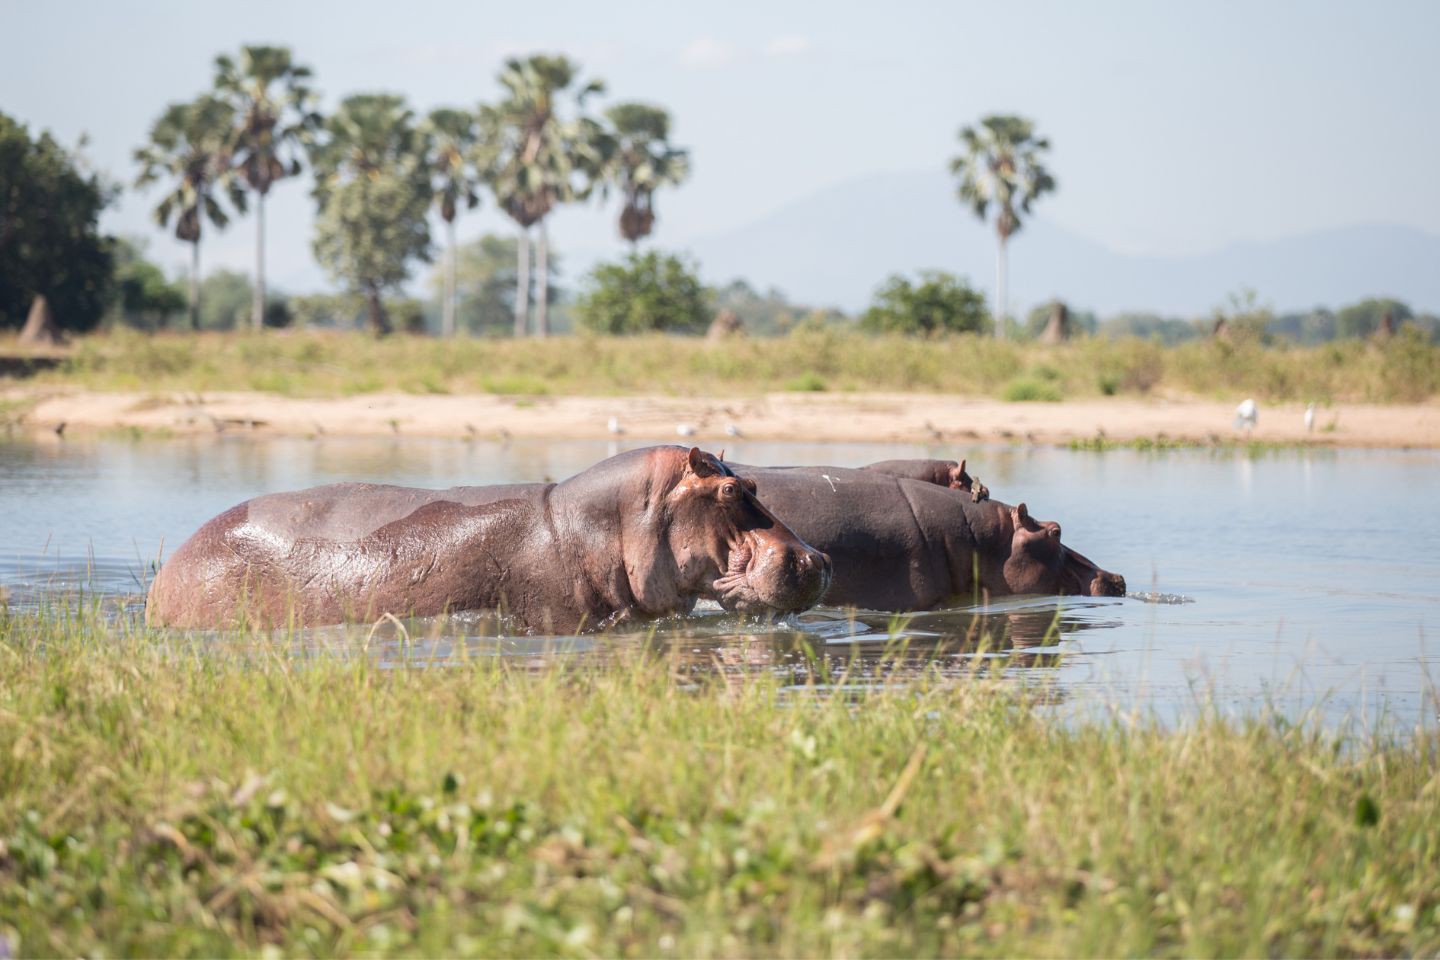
(730,490)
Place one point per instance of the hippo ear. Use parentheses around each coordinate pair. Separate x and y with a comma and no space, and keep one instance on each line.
(702,464)
(957,475)
(1022,513)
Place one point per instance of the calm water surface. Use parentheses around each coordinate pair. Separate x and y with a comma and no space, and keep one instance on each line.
(1298,578)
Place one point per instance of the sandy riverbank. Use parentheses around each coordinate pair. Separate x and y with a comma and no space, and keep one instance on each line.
(776,416)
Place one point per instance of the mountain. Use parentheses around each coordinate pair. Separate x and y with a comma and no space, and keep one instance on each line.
(836,246)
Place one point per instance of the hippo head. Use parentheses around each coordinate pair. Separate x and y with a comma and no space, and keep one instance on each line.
(728,547)
(1039,563)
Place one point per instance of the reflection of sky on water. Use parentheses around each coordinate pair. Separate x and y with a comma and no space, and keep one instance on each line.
(1312,573)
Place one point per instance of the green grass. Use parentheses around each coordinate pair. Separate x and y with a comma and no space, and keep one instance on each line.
(1029,389)
(323,363)
(1160,443)
(214,797)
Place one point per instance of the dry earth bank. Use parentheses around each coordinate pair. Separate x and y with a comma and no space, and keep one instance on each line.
(865,417)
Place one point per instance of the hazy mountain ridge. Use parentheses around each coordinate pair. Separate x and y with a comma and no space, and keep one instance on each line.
(835,246)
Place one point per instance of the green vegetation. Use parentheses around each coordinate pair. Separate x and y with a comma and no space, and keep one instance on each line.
(189,148)
(1030,389)
(451,136)
(374,192)
(1003,167)
(143,297)
(275,122)
(212,797)
(485,279)
(640,161)
(1405,368)
(50,242)
(649,292)
(939,303)
(535,158)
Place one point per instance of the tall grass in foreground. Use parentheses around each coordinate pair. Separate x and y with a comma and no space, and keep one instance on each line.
(320,363)
(163,796)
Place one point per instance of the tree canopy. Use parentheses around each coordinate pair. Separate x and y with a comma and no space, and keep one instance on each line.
(369,231)
(640,160)
(50,240)
(374,192)
(646,293)
(939,303)
(1363,319)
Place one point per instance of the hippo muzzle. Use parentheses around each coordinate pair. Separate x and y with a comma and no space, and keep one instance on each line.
(1080,577)
(765,575)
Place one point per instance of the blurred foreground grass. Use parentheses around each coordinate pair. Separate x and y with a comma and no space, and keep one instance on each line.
(323,363)
(165,796)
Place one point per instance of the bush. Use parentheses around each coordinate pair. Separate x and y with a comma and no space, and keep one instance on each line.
(650,292)
(807,383)
(1029,389)
(939,303)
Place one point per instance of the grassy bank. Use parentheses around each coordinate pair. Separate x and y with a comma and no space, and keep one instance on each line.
(313,363)
(166,799)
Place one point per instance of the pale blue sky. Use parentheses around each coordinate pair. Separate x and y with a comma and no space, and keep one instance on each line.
(1177,128)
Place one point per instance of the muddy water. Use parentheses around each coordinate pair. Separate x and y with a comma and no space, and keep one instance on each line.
(1298,578)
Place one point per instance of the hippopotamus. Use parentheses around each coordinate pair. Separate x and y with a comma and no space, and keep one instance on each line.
(643,534)
(900,544)
(943,473)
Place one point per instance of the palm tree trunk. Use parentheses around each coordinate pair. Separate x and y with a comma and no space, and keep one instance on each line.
(447,326)
(542,286)
(257,312)
(522,283)
(195,285)
(1000,292)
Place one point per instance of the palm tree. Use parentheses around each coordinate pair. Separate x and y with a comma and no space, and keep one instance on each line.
(1002,165)
(274,119)
(370,133)
(451,136)
(641,160)
(535,158)
(189,148)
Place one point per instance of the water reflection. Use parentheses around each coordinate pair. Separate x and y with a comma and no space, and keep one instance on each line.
(828,649)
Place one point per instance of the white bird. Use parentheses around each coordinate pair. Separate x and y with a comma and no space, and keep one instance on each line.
(1309,418)
(614,425)
(685,430)
(1246,415)
(732,431)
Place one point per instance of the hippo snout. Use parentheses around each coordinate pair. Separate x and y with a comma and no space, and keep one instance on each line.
(791,579)
(1107,584)
(807,582)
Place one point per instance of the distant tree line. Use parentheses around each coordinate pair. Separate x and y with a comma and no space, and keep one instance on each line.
(378,170)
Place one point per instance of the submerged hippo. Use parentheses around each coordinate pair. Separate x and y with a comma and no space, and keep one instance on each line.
(642,534)
(899,543)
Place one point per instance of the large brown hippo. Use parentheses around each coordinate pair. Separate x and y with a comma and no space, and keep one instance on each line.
(642,534)
(900,543)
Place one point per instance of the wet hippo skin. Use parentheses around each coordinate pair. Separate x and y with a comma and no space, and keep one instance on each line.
(899,543)
(642,534)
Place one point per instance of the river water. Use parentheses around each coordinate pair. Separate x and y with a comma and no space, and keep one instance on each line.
(1294,579)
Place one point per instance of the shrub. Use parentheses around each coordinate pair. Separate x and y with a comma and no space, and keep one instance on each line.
(809,382)
(647,293)
(1029,389)
(939,303)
